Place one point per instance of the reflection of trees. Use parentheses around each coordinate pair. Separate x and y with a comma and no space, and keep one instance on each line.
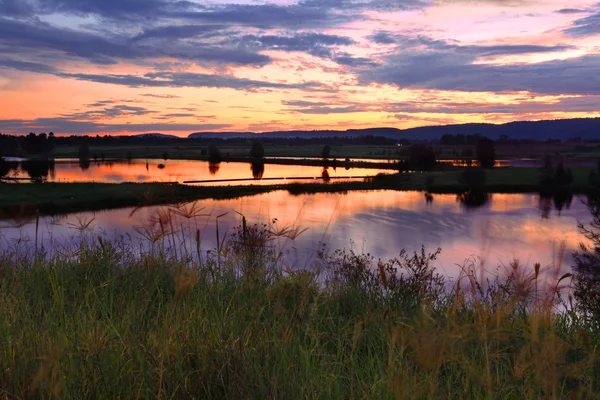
(428,198)
(258,169)
(325,175)
(586,271)
(84,164)
(38,169)
(557,200)
(213,167)
(474,198)
(7,166)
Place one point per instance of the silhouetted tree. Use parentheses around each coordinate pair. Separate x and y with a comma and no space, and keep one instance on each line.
(84,152)
(486,153)
(421,157)
(214,154)
(165,156)
(36,144)
(9,145)
(257,150)
(326,152)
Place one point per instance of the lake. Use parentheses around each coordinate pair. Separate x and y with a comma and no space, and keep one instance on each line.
(174,171)
(507,227)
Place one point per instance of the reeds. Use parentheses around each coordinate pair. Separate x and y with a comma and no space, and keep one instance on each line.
(165,319)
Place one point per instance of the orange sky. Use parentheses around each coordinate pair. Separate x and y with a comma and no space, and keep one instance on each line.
(418,63)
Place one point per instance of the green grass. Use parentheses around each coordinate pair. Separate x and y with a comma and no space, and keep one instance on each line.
(109,322)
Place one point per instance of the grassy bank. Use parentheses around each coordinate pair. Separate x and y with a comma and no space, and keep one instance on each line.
(51,198)
(107,322)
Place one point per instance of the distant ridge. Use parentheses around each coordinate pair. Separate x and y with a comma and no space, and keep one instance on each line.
(157,136)
(586,128)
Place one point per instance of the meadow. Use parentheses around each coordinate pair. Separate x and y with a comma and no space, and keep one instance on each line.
(166,318)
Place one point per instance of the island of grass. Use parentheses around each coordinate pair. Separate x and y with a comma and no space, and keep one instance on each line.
(53,198)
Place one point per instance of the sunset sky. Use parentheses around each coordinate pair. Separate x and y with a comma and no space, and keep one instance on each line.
(135,66)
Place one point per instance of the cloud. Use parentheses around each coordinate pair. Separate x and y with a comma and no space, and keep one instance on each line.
(32,37)
(455,71)
(69,126)
(569,11)
(588,26)
(526,106)
(161,96)
(187,79)
(405,42)
(27,66)
(120,110)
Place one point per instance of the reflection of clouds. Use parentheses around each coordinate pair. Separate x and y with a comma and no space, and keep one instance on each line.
(379,222)
(114,178)
(187,170)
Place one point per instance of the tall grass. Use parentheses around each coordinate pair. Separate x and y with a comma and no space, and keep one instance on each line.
(170,320)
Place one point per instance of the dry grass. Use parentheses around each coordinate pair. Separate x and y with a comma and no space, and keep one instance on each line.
(169,320)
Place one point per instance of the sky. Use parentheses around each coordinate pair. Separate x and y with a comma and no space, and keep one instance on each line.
(183,66)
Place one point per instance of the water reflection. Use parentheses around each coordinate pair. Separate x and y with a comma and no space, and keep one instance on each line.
(558,201)
(474,199)
(7,167)
(508,226)
(258,169)
(325,175)
(76,170)
(38,170)
(213,167)
(84,164)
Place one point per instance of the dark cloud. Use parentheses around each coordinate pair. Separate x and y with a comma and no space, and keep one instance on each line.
(33,37)
(316,44)
(569,11)
(181,32)
(446,66)
(426,43)
(188,79)
(528,106)
(27,66)
(120,110)
(588,26)
(66,125)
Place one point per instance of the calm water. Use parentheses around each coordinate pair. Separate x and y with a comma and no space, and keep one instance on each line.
(172,171)
(380,222)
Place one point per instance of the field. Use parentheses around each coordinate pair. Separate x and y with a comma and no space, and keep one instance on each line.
(237,150)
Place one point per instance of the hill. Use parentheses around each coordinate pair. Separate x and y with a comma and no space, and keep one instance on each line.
(586,128)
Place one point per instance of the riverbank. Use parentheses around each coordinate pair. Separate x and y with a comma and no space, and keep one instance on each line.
(116,321)
(57,198)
